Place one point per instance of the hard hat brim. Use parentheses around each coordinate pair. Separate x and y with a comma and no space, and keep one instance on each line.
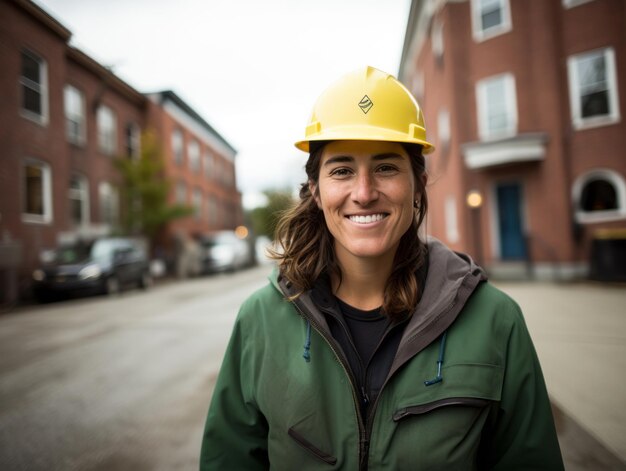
(360,134)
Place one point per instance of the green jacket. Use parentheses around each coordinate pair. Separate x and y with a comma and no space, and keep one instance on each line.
(272,409)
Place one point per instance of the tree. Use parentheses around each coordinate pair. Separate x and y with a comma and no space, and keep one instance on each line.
(144,191)
(265,218)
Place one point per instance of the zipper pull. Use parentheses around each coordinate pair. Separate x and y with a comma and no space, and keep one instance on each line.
(364,397)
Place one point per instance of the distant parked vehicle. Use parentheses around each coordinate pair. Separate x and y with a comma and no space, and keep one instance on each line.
(224,251)
(106,265)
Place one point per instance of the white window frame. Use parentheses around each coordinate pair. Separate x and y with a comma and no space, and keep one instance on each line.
(109,210)
(417,85)
(46,193)
(574,3)
(574,88)
(484,132)
(193,155)
(481,34)
(75,113)
(80,194)
(589,217)
(133,142)
(107,130)
(41,88)
(451,219)
(443,127)
(436,39)
(178,146)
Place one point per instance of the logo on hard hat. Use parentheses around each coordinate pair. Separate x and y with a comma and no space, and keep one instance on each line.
(365,104)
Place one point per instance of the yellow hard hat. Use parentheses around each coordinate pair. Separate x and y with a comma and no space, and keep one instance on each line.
(366,105)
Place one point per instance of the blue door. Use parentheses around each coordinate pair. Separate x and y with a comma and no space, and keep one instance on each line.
(512,244)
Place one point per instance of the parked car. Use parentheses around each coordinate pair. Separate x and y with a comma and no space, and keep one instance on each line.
(106,265)
(224,251)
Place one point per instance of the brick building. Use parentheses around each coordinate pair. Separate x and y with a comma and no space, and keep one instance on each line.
(199,162)
(64,118)
(524,100)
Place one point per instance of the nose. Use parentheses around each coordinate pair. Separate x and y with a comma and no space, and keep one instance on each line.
(364,191)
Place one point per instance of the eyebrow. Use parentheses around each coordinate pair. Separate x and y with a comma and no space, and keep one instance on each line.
(347,158)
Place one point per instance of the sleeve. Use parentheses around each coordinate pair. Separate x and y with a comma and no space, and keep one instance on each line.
(235,435)
(524,435)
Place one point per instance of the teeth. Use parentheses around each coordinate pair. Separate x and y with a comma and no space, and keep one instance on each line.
(367,219)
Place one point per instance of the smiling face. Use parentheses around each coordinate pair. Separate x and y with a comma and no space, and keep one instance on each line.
(366,190)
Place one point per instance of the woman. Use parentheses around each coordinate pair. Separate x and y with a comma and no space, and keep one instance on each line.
(370,348)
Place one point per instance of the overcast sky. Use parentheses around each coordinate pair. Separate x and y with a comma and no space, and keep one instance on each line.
(251,68)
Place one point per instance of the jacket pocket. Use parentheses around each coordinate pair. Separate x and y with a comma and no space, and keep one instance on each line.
(308,446)
(447,402)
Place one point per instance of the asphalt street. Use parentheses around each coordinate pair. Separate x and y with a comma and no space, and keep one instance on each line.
(115,383)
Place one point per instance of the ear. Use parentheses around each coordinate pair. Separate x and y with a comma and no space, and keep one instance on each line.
(418,194)
(315,194)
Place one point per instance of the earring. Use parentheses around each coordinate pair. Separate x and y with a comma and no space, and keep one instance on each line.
(415,204)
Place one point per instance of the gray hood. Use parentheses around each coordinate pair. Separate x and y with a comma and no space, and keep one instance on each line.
(452,278)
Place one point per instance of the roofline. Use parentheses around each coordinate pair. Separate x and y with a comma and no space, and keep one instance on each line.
(39,14)
(111,80)
(408,36)
(170,95)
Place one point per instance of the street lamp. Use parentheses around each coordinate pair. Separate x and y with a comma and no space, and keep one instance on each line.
(474,201)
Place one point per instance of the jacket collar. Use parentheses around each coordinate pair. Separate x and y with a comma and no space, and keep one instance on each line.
(451,279)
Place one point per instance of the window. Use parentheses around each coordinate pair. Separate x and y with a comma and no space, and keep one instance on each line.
(74,103)
(208,164)
(212,210)
(193,153)
(417,86)
(181,193)
(178,146)
(109,204)
(34,86)
(197,203)
(133,141)
(490,18)
(497,107)
(436,39)
(37,184)
(452,228)
(107,130)
(443,127)
(593,88)
(599,196)
(78,194)
(574,3)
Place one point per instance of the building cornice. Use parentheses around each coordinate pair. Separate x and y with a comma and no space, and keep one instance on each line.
(38,14)
(111,80)
(520,148)
(187,116)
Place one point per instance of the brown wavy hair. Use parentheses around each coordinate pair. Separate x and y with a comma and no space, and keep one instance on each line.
(306,246)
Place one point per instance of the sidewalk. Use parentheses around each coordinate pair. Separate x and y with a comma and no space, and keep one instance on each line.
(579,331)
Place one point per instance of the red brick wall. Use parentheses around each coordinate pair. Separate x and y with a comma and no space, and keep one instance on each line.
(21,138)
(535,51)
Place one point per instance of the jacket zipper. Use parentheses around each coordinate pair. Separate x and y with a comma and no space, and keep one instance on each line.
(372,411)
(363,441)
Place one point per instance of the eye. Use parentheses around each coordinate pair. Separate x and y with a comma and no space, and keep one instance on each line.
(340,172)
(387,169)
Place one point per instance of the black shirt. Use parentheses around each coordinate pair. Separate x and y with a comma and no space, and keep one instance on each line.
(369,341)
(366,329)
